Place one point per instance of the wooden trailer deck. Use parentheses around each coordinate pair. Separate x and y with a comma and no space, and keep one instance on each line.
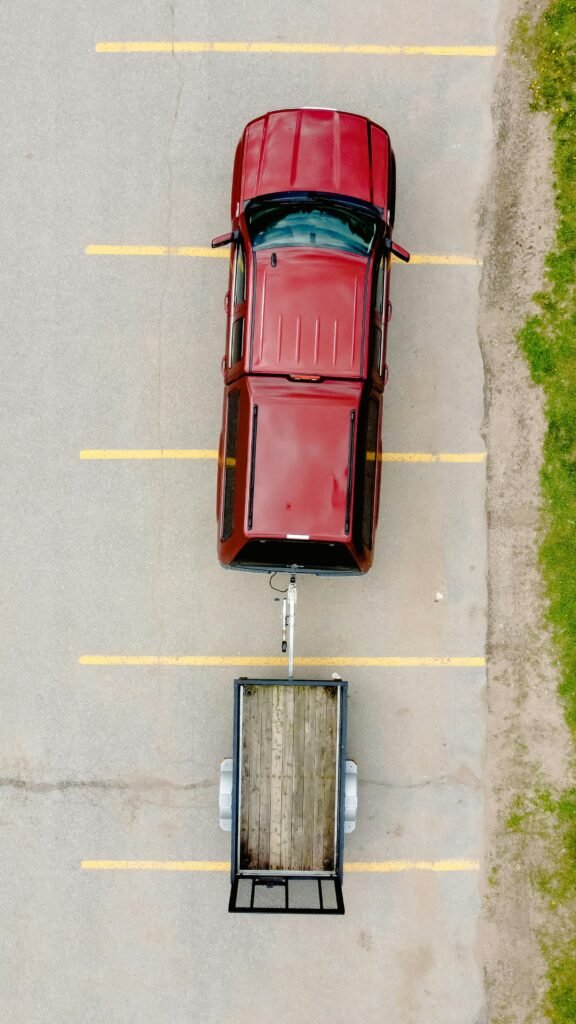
(288,777)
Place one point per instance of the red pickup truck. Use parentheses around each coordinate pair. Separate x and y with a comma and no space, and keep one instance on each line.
(313,197)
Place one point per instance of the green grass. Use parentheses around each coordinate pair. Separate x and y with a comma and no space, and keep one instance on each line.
(548,340)
(518,815)
(560,1002)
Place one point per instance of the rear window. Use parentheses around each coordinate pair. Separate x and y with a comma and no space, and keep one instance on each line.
(230,464)
(370,473)
(316,556)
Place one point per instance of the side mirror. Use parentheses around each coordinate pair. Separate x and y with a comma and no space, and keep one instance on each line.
(397,251)
(232,236)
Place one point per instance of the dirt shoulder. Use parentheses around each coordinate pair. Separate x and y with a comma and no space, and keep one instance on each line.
(527,740)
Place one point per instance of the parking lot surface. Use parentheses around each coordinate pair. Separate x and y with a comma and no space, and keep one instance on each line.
(115,557)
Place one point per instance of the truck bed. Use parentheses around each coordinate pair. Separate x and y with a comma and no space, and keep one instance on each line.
(289,756)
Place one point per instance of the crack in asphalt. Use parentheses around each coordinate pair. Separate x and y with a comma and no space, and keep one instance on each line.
(441,780)
(149,785)
(143,786)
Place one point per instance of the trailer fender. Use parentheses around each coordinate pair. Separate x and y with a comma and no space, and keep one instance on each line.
(225,794)
(350,796)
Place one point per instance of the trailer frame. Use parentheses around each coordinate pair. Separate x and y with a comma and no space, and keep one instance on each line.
(273,891)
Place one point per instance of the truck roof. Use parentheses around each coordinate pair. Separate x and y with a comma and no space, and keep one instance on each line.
(308,312)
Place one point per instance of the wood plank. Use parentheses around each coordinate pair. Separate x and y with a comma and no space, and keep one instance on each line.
(276,776)
(287,779)
(298,777)
(309,779)
(332,754)
(265,766)
(252,725)
(319,776)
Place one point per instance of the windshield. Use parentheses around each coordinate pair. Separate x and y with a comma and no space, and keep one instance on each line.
(314,222)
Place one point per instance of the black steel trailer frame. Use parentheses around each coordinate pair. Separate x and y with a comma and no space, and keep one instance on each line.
(288,892)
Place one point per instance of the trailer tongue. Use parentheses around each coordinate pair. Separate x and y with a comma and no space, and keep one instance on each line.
(288,795)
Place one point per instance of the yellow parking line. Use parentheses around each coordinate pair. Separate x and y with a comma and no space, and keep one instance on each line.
(418,258)
(156,250)
(149,453)
(170,46)
(155,865)
(433,457)
(372,867)
(440,259)
(217,661)
(212,453)
(413,865)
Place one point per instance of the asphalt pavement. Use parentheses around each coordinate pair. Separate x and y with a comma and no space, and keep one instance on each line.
(117,557)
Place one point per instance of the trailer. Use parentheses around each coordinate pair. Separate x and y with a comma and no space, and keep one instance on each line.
(288,795)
